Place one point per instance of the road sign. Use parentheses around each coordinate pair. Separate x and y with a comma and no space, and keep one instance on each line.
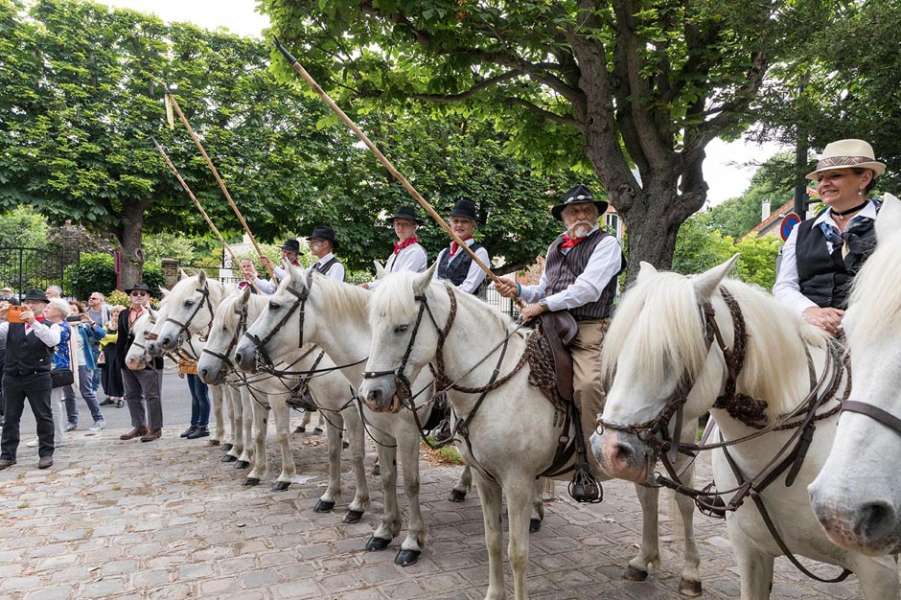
(788,223)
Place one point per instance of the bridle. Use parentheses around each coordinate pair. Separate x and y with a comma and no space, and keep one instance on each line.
(300,302)
(874,412)
(184,328)
(225,357)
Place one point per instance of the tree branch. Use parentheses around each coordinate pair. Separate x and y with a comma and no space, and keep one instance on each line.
(550,116)
(471,91)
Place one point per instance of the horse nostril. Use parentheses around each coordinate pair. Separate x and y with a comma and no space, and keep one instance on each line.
(877,519)
(373,396)
(622,453)
(238,358)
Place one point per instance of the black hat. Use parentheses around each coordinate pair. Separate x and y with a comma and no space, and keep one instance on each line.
(325,233)
(464,209)
(577,195)
(140,286)
(36,295)
(405,212)
(291,245)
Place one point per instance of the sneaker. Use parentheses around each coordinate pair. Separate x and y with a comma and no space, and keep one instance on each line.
(71,427)
(45,462)
(98,425)
(33,443)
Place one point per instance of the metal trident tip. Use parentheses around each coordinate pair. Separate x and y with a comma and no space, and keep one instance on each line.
(284,51)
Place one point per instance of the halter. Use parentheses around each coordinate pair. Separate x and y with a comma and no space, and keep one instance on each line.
(300,302)
(184,327)
(225,357)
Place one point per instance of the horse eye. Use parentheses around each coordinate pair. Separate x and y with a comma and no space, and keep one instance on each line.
(401,328)
(274,306)
(189,303)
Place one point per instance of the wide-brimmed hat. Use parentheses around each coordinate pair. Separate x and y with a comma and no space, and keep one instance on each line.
(36,295)
(579,194)
(291,245)
(848,154)
(325,233)
(405,212)
(464,209)
(140,286)
(6,289)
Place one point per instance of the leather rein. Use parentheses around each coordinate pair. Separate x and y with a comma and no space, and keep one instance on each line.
(184,328)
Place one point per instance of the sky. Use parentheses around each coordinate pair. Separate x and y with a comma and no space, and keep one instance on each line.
(724,168)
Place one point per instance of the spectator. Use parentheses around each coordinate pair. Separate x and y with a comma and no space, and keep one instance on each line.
(200,400)
(4,304)
(7,295)
(84,331)
(53,291)
(27,375)
(110,375)
(99,311)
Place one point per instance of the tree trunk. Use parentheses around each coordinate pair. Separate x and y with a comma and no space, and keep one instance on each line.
(130,238)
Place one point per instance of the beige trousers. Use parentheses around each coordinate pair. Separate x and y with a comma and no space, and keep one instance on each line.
(587,391)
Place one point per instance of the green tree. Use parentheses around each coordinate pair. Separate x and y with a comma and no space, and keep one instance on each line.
(757,259)
(607,86)
(23,226)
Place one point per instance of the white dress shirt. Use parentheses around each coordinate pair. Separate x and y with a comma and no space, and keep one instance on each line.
(268,286)
(787,288)
(603,265)
(50,335)
(411,258)
(336,271)
(475,276)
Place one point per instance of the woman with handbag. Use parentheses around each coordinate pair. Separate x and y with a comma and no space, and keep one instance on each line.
(85,332)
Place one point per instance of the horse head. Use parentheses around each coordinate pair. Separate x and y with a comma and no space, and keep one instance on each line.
(138,357)
(190,311)
(229,323)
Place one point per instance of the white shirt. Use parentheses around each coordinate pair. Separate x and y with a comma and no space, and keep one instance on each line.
(336,271)
(411,258)
(475,275)
(50,335)
(603,265)
(787,288)
(267,286)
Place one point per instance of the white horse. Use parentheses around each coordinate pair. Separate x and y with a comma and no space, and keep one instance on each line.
(856,496)
(662,353)
(512,436)
(334,316)
(330,390)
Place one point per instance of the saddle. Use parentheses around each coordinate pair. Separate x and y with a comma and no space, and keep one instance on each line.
(553,335)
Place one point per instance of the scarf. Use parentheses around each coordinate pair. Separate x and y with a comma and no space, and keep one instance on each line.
(398,246)
(569,242)
(454,247)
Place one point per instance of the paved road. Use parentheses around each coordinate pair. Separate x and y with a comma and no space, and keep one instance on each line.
(170,521)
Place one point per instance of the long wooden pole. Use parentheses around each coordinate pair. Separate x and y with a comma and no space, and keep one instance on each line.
(221,183)
(387,164)
(199,207)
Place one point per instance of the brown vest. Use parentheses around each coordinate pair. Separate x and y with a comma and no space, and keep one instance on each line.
(563,270)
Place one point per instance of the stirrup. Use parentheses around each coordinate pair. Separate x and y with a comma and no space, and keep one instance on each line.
(303,401)
(715,507)
(584,487)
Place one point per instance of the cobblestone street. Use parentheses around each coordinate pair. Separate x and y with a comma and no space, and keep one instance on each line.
(169,520)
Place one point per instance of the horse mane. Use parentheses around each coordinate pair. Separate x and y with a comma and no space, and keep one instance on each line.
(661,315)
(875,303)
(341,301)
(226,315)
(185,287)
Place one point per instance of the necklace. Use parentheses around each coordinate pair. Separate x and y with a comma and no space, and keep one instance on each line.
(842,214)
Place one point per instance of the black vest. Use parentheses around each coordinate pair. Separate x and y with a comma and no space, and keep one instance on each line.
(26,354)
(563,270)
(324,269)
(826,278)
(456,270)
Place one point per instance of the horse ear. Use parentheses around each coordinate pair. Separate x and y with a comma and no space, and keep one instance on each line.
(645,271)
(182,274)
(889,221)
(422,281)
(380,272)
(298,279)
(164,291)
(245,296)
(201,276)
(706,283)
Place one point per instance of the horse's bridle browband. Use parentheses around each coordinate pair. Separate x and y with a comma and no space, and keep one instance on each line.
(239,331)
(184,327)
(874,412)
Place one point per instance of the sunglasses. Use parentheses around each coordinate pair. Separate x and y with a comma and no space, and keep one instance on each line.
(139,293)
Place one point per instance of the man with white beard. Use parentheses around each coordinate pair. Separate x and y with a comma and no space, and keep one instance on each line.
(579,276)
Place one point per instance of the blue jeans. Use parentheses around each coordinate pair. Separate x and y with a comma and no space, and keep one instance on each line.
(200,401)
(96,382)
(86,388)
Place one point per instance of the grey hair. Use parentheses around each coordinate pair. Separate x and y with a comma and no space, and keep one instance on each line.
(56,289)
(61,305)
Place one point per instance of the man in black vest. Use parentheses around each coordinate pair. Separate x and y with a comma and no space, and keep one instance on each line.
(29,353)
(323,242)
(579,276)
(454,264)
(822,255)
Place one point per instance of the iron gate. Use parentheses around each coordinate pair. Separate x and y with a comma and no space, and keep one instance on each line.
(23,269)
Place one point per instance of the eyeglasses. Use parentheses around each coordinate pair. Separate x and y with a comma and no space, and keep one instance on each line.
(139,293)
(93,298)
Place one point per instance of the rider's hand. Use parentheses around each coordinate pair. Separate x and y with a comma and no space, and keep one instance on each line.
(267,262)
(532,310)
(829,319)
(506,287)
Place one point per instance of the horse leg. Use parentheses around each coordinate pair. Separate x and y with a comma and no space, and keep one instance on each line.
(649,554)
(246,453)
(878,577)
(233,444)
(412,546)
(219,428)
(390,525)
(690,585)
(520,492)
(304,421)
(357,441)
(537,515)
(327,501)
(260,458)
(464,484)
(282,417)
(754,567)
(490,496)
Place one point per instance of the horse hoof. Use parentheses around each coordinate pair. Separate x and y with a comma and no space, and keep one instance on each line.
(690,588)
(633,574)
(534,525)
(374,544)
(251,481)
(345,445)
(323,506)
(229,458)
(353,516)
(226,447)
(242,464)
(376,471)
(212,442)
(300,429)
(405,558)
(457,496)
(280,486)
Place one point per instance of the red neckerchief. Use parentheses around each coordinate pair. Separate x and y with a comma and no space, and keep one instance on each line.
(400,246)
(39,319)
(454,246)
(131,310)
(295,263)
(569,242)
